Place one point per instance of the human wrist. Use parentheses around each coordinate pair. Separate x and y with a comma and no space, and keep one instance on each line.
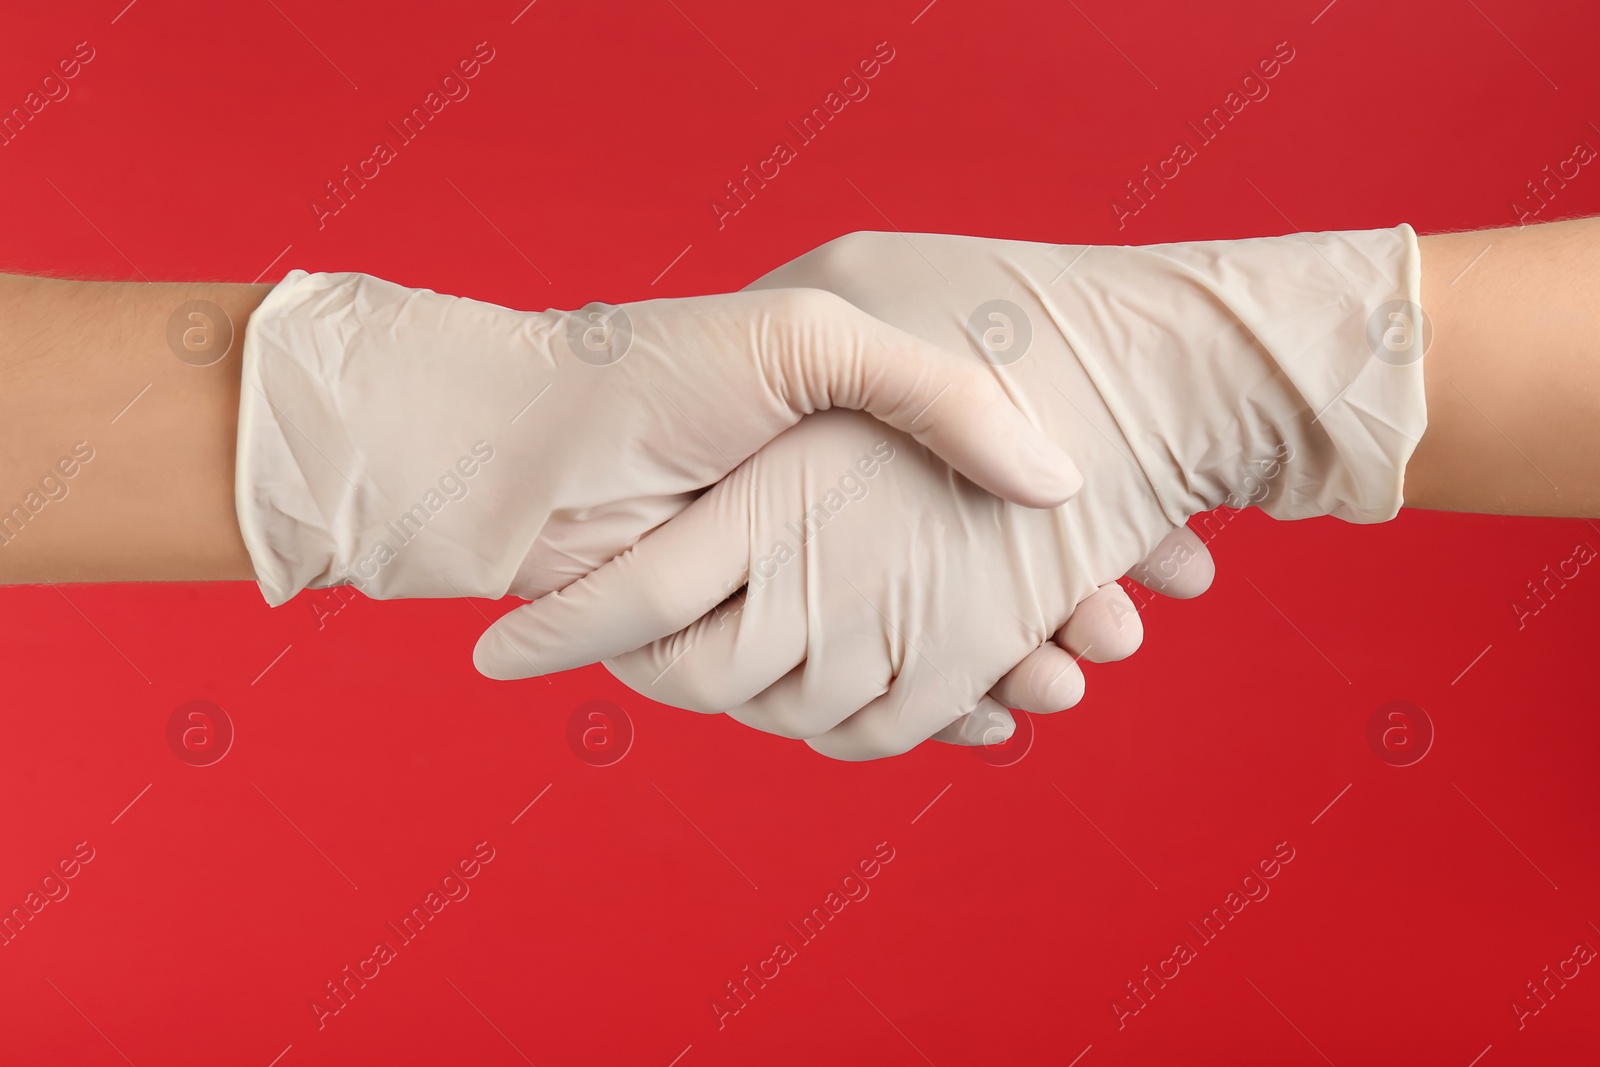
(122,397)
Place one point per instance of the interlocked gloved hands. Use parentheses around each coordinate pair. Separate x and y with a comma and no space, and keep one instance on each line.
(415,444)
(884,595)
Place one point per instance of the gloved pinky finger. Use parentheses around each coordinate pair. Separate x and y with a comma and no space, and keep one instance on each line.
(1048,680)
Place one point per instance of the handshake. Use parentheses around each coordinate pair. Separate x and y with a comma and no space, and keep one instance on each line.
(839,505)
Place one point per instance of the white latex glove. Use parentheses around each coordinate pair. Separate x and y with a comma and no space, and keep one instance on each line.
(1104,628)
(415,444)
(1182,377)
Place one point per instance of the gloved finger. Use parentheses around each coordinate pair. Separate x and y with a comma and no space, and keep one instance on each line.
(896,722)
(1104,628)
(718,662)
(1180,566)
(1048,680)
(808,703)
(987,724)
(949,402)
(668,580)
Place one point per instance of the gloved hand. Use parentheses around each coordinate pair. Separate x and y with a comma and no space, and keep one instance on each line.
(886,596)
(1104,628)
(415,444)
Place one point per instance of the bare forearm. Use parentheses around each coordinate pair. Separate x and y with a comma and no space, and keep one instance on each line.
(1513,376)
(116,453)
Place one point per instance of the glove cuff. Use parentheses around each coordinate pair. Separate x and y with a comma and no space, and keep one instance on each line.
(289,543)
(1282,372)
(368,419)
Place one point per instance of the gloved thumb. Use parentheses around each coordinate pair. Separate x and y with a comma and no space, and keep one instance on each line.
(950,402)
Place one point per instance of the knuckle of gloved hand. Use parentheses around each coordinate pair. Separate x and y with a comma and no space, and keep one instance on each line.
(799,333)
(857,266)
(842,256)
(805,307)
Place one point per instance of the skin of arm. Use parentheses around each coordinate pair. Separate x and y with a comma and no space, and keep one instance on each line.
(154,502)
(1513,373)
(1512,380)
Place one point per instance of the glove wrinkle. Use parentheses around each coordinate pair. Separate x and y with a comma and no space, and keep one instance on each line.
(1181,377)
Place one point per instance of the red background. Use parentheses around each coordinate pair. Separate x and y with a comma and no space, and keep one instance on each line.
(371,755)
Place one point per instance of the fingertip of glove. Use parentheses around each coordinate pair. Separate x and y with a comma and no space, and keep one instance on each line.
(1066,688)
(1200,573)
(493,658)
(990,723)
